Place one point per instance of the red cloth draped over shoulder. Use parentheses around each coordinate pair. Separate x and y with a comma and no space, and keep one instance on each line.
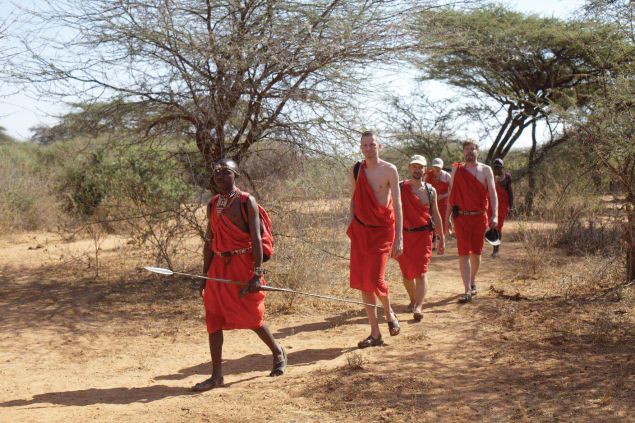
(372,232)
(417,246)
(224,309)
(441,187)
(467,191)
(469,194)
(503,201)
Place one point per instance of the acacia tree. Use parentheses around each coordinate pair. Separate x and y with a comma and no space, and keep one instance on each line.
(228,73)
(605,126)
(518,66)
(607,129)
(420,125)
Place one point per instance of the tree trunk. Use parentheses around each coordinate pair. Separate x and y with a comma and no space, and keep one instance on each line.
(531,174)
(630,241)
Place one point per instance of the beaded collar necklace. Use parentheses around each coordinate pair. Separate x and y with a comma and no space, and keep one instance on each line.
(225,199)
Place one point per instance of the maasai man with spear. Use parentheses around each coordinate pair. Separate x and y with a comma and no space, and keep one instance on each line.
(233,250)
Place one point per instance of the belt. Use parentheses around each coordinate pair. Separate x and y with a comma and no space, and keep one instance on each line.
(233,253)
(363,224)
(418,229)
(470,213)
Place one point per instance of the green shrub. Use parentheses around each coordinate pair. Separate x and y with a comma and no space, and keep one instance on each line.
(27,201)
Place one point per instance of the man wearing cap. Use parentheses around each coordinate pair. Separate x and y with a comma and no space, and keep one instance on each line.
(471,184)
(419,203)
(440,180)
(505,196)
(375,231)
(233,250)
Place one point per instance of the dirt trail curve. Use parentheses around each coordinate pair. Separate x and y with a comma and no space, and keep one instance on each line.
(72,353)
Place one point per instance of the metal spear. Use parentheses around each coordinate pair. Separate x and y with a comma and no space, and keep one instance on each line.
(168,272)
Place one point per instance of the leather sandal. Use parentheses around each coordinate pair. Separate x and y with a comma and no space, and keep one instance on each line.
(370,342)
(393,325)
(465,299)
(279,364)
(208,384)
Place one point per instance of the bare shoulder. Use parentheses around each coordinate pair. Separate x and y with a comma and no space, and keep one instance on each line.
(482,167)
(388,168)
(386,165)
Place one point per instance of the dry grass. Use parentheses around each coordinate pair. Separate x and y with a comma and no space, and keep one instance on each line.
(355,361)
(26,199)
(582,301)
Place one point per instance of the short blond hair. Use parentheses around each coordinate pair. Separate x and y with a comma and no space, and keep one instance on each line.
(469,142)
(369,133)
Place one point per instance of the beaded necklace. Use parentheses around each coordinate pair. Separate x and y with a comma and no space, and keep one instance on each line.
(225,199)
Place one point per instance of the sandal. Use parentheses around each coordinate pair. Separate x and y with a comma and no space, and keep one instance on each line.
(208,384)
(410,308)
(279,364)
(417,316)
(393,325)
(473,290)
(370,342)
(465,299)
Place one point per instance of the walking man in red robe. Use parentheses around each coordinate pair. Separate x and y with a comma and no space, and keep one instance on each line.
(440,180)
(375,231)
(233,250)
(419,203)
(505,196)
(471,184)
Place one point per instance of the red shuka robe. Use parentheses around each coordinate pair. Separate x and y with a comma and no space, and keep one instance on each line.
(417,246)
(372,232)
(503,202)
(442,188)
(224,309)
(469,194)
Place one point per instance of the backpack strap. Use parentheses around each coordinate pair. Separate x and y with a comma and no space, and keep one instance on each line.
(356,168)
(429,191)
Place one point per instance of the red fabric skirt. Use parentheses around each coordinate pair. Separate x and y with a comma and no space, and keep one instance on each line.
(470,232)
(224,309)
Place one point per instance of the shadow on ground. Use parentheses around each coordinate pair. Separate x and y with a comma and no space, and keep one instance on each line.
(490,373)
(55,298)
(259,363)
(92,396)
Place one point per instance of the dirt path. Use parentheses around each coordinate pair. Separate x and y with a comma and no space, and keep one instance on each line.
(74,350)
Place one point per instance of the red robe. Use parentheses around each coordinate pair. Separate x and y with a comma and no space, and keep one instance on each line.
(469,194)
(503,202)
(224,309)
(372,232)
(417,246)
(442,188)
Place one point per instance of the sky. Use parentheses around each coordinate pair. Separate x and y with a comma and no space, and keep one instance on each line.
(21,109)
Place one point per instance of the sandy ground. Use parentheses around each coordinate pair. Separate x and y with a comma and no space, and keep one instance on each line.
(128,347)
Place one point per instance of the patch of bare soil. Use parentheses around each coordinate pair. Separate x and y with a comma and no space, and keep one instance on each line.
(127,346)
